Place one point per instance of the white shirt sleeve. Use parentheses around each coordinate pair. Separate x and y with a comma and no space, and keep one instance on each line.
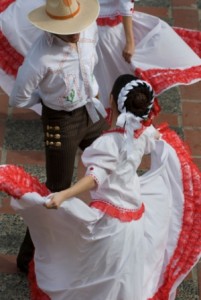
(150,135)
(25,93)
(126,7)
(101,158)
(111,8)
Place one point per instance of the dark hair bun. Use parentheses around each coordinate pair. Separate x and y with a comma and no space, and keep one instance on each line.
(138,99)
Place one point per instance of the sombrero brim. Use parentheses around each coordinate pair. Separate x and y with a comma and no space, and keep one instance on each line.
(88,13)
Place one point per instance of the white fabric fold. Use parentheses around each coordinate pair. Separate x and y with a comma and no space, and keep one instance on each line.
(93,106)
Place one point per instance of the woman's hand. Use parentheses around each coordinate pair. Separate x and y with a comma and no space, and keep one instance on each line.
(84,184)
(128,51)
(55,200)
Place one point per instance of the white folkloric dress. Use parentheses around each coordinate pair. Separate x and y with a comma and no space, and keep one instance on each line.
(162,57)
(137,240)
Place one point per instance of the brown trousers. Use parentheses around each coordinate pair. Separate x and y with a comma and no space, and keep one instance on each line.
(64,132)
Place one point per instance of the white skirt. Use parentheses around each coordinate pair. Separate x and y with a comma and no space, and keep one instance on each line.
(82,253)
(161,56)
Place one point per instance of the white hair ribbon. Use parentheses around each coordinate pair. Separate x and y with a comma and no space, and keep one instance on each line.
(131,123)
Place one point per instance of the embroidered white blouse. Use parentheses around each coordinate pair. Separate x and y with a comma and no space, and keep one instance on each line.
(58,73)
(116,176)
(110,8)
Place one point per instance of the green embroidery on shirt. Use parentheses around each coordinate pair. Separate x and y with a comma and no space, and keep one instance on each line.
(71,96)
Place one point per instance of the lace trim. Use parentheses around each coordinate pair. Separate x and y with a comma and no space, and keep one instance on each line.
(188,247)
(16,182)
(163,79)
(109,21)
(94,177)
(124,215)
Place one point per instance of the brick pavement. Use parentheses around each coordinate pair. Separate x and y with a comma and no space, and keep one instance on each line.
(181,109)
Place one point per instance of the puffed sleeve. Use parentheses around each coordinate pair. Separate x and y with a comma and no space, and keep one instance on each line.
(150,137)
(126,7)
(101,158)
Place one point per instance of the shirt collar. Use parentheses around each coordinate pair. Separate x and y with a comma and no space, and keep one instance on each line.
(51,38)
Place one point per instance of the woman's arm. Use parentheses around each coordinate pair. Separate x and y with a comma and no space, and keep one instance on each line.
(129,48)
(84,184)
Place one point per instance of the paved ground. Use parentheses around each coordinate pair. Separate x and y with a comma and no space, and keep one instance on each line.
(21,143)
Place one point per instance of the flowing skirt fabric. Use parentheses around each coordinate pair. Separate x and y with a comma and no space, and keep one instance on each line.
(82,253)
(161,56)
(164,56)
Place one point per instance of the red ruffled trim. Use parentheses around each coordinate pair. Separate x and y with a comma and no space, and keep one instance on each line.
(16,182)
(107,21)
(188,247)
(10,59)
(163,79)
(192,38)
(4,4)
(122,214)
(137,133)
(118,130)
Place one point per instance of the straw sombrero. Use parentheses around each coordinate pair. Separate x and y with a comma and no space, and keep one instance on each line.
(65,16)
